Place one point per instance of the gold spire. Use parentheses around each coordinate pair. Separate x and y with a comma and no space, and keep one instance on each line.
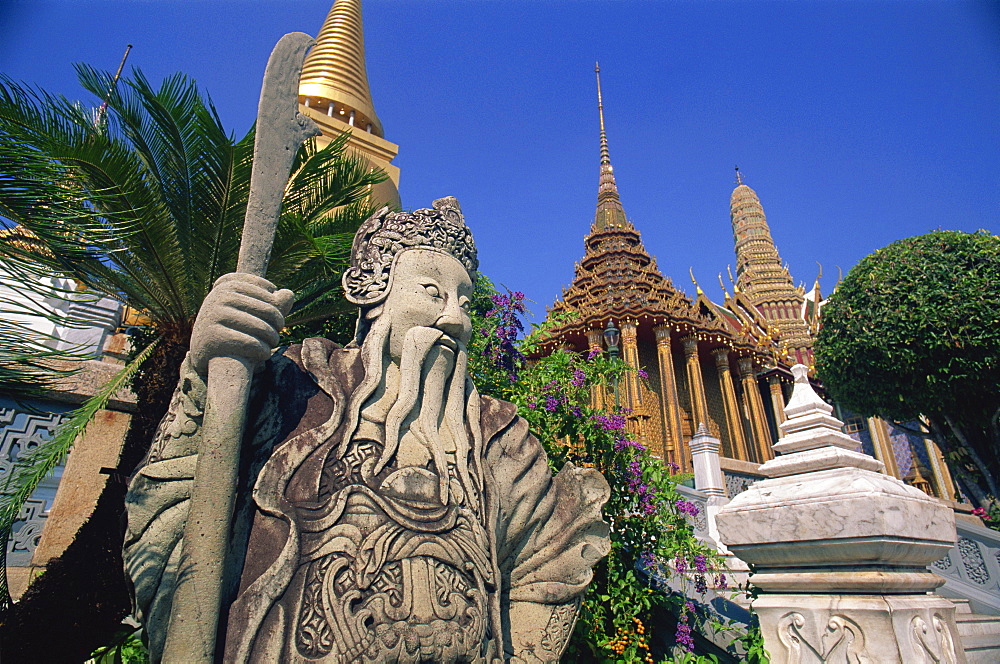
(334,78)
(610,212)
(760,273)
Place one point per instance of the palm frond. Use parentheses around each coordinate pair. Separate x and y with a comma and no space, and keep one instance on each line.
(26,474)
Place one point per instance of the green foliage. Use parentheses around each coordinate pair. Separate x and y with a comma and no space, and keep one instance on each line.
(913,331)
(646,513)
(753,646)
(126,648)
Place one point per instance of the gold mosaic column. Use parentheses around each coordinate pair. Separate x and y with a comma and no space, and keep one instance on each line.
(674,447)
(696,388)
(883,446)
(699,404)
(737,439)
(630,353)
(598,393)
(942,477)
(777,398)
(755,408)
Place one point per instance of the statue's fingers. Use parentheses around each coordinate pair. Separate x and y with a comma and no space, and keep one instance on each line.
(252,324)
(244,278)
(283,300)
(255,290)
(262,309)
(235,343)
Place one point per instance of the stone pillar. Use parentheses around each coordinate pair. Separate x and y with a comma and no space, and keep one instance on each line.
(755,411)
(630,353)
(705,459)
(598,393)
(734,422)
(708,476)
(840,550)
(777,397)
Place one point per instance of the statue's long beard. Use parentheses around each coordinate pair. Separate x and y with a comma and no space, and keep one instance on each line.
(428,396)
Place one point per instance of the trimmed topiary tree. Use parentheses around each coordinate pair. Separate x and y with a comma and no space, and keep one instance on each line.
(914,332)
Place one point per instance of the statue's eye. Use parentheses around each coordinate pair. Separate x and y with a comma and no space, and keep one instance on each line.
(432,290)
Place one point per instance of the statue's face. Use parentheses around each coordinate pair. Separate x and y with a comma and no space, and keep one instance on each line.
(429,289)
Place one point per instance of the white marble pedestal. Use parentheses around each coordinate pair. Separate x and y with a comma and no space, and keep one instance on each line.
(839,551)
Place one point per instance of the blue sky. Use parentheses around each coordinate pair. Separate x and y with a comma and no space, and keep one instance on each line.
(857,123)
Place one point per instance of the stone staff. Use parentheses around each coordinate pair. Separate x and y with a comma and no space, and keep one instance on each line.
(281,129)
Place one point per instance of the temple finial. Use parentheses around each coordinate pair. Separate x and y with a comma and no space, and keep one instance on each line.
(610,213)
(605,156)
(739,177)
(695,281)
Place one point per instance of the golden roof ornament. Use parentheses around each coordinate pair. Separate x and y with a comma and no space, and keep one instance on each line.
(334,71)
(610,212)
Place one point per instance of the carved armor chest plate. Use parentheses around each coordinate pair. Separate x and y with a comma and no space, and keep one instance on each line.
(390,578)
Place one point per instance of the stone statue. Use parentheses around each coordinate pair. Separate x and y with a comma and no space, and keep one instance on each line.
(386,511)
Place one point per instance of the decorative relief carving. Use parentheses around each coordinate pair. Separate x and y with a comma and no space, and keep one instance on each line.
(20,434)
(737,483)
(943,565)
(972,561)
(932,642)
(26,533)
(839,640)
(557,630)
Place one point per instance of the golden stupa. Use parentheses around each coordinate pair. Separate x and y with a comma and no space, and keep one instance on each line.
(334,92)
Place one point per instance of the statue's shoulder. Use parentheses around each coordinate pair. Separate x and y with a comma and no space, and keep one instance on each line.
(505,431)
(496,411)
(333,367)
(316,352)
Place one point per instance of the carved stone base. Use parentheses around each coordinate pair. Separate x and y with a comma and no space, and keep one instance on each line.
(841,629)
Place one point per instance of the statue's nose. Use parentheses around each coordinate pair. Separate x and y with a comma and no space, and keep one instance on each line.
(452,319)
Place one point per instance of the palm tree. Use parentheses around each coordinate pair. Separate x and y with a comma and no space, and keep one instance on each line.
(143,200)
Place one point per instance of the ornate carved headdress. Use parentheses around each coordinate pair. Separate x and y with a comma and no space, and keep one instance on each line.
(385,235)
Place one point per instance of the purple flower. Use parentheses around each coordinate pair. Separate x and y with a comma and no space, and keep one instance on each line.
(700,564)
(532,405)
(610,422)
(622,443)
(720,582)
(551,403)
(642,374)
(700,585)
(680,563)
(577,412)
(673,466)
(579,378)
(683,637)
(687,508)
(647,559)
(594,352)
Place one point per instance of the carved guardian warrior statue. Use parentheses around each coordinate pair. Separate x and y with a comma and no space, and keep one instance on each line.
(388,512)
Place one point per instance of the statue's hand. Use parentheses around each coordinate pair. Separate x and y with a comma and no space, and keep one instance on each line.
(241,317)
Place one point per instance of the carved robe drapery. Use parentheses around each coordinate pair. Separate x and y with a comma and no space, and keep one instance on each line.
(343,564)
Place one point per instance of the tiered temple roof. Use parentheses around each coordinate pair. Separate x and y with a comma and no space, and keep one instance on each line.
(617,279)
